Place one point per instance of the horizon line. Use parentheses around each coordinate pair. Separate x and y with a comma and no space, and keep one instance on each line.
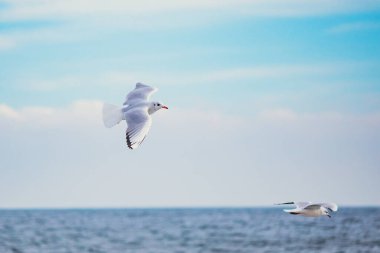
(170,207)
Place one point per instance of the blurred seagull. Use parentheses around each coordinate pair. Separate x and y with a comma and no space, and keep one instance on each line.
(136,111)
(309,209)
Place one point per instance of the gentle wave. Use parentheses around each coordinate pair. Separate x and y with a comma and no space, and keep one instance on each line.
(241,230)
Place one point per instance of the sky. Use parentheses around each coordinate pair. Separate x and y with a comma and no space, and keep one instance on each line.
(269,101)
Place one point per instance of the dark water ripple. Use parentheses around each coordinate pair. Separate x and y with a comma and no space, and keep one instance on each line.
(242,230)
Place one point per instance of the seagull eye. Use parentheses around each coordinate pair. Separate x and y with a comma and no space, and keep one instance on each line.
(158,104)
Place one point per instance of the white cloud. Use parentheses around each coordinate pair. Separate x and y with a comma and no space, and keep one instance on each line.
(191,157)
(78,113)
(8,112)
(41,9)
(85,19)
(88,112)
(302,8)
(282,71)
(38,9)
(63,33)
(305,72)
(6,43)
(279,114)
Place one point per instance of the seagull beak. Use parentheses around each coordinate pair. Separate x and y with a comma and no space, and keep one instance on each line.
(164,107)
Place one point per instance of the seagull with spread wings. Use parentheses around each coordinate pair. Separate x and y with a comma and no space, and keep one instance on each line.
(136,111)
(310,209)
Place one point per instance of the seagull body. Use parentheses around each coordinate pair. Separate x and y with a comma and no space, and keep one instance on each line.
(136,111)
(310,209)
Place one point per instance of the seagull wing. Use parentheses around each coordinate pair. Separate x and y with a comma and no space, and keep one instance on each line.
(299,205)
(312,207)
(139,122)
(331,206)
(302,204)
(285,203)
(292,211)
(141,93)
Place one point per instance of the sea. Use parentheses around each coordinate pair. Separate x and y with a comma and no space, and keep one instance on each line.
(190,230)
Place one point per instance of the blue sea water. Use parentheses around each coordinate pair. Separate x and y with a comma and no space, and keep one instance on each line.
(239,230)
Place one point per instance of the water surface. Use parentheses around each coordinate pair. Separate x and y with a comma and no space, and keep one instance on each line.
(240,230)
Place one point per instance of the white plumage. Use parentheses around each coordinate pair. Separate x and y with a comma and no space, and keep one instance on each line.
(310,209)
(136,111)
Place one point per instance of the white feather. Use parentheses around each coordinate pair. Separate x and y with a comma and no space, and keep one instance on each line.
(136,112)
(112,115)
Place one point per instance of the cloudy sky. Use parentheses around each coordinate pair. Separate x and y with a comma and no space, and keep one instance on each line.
(269,101)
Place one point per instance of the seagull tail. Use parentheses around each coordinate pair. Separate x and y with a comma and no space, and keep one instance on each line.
(112,115)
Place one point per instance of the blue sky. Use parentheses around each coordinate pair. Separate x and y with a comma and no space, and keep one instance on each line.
(266,97)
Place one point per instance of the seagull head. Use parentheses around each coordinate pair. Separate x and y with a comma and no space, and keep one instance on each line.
(155,106)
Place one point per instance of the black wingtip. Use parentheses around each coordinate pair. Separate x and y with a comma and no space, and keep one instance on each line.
(285,203)
(128,141)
